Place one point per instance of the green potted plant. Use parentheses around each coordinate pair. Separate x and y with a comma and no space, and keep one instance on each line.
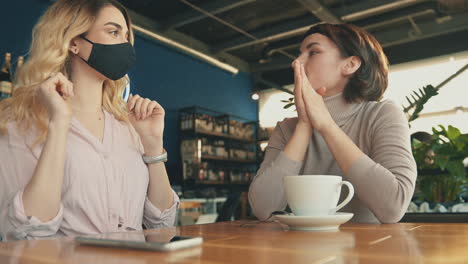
(441,172)
(442,177)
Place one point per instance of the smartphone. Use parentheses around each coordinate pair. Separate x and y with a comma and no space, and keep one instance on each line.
(138,240)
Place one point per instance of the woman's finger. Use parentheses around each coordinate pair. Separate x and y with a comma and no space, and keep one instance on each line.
(158,109)
(144,108)
(305,81)
(151,107)
(69,86)
(61,87)
(298,91)
(131,102)
(297,79)
(307,93)
(137,109)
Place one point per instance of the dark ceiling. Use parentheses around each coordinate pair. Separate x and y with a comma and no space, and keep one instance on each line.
(263,36)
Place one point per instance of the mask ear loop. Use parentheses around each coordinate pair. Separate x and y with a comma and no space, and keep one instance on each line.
(92,43)
(83,37)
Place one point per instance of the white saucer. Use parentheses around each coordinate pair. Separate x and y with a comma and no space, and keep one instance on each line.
(314,223)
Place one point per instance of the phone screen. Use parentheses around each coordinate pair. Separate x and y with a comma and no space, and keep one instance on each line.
(159,241)
(140,237)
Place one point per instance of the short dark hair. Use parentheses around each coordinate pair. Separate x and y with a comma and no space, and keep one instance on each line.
(370,81)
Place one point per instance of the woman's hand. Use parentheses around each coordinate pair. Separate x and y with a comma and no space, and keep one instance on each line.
(314,106)
(147,117)
(302,117)
(53,94)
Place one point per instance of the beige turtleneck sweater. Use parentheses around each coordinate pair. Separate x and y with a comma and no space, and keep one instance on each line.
(383,179)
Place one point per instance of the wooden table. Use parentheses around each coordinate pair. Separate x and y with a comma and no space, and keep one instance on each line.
(255,242)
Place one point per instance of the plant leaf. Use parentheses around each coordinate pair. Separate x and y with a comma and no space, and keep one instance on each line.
(456,168)
(453,133)
(288,105)
(441,161)
(416,143)
(417,104)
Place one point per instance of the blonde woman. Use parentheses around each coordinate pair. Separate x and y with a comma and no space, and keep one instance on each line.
(75,158)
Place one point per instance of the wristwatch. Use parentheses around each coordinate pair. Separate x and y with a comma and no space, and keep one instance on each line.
(155,159)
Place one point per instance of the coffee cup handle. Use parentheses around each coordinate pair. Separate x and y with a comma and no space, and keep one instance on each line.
(350,195)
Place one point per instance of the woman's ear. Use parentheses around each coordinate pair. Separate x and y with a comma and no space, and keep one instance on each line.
(351,65)
(73,48)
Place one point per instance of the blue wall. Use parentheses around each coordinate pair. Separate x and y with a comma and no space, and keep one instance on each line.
(174,79)
(18,19)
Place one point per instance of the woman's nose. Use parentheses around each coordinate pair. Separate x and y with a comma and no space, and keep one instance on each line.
(124,39)
(302,58)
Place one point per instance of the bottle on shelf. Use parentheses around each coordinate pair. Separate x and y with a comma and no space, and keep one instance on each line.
(210,173)
(5,77)
(198,120)
(183,122)
(19,64)
(218,125)
(225,126)
(222,175)
(189,125)
(220,149)
(217,148)
(201,174)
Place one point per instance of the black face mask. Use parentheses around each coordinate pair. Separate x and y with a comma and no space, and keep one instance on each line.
(112,61)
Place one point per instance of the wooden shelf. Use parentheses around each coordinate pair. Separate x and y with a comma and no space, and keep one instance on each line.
(240,183)
(221,183)
(217,134)
(207,157)
(211,182)
(225,129)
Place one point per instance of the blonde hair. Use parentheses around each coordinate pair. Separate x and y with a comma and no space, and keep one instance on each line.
(48,54)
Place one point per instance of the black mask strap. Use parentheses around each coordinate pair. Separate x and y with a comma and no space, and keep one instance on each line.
(83,37)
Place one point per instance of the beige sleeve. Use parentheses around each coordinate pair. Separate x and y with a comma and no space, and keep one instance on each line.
(266,192)
(384,181)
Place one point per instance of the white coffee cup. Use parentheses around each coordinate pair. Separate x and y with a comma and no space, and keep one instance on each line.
(315,195)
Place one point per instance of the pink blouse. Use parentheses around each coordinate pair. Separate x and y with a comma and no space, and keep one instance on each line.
(104,188)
